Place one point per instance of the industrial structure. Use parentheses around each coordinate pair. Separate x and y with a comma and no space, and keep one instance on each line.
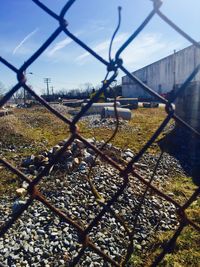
(164,75)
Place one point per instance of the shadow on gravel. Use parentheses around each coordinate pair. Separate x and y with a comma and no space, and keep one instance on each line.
(185,147)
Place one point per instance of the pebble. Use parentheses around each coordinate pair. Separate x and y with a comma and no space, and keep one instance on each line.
(41,232)
(39,235)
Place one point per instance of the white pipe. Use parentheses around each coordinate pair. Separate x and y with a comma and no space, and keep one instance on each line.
(123,113)
(97,108)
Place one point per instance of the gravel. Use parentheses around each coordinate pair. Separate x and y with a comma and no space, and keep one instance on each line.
(64,110)
(40,238)
(95,121)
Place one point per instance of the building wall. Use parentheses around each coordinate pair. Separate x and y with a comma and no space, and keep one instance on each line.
(188,105)
(162,75)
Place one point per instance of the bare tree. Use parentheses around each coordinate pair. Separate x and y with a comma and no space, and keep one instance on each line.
(19,96)
(88,86)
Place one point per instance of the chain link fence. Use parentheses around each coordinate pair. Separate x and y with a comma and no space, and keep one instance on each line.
(126,171)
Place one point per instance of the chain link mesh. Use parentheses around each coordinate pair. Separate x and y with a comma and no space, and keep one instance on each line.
(125,171)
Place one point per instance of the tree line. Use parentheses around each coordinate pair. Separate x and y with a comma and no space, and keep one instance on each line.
(79,93)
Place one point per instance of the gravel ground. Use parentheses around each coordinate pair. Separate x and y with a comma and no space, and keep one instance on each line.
(95,121)
(39,238)
(64,110)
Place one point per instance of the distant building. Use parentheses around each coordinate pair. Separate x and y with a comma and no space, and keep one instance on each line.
(165,74)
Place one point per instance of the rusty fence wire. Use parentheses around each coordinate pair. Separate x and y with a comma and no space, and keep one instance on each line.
(125,171)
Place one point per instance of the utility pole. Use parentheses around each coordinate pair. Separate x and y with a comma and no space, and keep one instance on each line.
(26,93)
(47,81)
(52,91)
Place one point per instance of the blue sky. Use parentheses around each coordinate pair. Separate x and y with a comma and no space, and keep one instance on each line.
(24,27)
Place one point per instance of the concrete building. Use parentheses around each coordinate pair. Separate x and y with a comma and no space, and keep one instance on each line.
(165,74)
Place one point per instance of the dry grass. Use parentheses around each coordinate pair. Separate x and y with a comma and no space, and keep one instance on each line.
(32,130)
(27,132)
(136,133)
(32,126)
(187,250)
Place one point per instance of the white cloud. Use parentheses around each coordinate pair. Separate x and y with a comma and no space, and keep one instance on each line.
(145,49)
(28,36)
(62,44)
(98,48)
(58,46)
(102,47)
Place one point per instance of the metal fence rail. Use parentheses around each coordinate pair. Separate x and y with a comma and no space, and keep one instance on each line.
(113,65)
